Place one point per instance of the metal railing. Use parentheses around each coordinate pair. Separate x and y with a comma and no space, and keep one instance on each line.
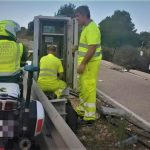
(55,127)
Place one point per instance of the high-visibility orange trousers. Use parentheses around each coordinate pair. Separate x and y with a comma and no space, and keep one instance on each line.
(87,89)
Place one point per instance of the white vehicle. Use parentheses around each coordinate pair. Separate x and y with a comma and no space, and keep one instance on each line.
(20,119)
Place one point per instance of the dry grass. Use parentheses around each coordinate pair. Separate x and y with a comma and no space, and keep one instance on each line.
(103,135)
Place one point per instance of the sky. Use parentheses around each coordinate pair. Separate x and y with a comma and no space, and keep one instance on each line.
(24,11)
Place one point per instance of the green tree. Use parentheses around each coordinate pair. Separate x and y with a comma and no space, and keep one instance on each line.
(126,56)
(145,39)
(22,33)
(118,30)
(30,28)
(66,10)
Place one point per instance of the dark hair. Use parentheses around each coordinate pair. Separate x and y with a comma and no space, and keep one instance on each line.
(83,10)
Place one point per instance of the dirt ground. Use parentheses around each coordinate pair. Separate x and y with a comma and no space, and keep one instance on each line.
(104,134)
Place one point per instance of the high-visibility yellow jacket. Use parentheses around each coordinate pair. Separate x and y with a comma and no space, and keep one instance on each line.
(10,57)
(49,67)
(90,35)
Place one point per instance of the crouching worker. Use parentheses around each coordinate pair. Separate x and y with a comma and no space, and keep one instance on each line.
(51,71)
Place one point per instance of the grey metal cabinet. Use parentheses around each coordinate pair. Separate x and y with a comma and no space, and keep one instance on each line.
(60,31)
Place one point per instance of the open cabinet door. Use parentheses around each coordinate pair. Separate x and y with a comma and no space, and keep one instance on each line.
(72,40)
(60,31)
(36,44)
(50,31)
(36,41)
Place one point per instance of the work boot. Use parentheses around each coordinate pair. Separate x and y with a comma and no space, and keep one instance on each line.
(79,116)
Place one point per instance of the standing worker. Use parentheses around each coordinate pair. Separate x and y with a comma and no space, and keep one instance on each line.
(12,54)
(89,58)
(51,71)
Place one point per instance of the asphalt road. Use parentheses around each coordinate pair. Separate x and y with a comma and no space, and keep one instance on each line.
(129,90)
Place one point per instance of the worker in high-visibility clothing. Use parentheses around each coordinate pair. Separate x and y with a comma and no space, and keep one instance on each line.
(51,71)
(12,54)
(89,58)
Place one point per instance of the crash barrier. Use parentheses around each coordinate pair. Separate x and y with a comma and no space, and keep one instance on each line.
(129,115)
(55,126)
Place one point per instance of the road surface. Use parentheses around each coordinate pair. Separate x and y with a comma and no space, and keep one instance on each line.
(128,89)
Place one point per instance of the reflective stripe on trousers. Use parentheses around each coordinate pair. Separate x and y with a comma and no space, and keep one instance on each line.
(90,105)
(87,87)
